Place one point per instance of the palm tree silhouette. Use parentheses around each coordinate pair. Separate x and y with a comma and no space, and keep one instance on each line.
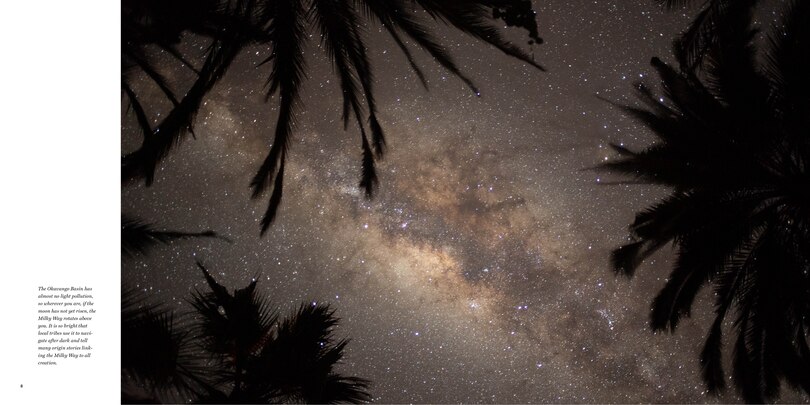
(234,349)
(733,146)
(284,26)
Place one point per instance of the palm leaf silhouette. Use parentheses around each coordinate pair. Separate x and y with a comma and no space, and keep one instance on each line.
(156,351)
(702,34)
(138,237)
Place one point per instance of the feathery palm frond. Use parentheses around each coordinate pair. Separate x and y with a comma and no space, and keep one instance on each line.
(475,18)
(702,34)
(286,34)
(149,26)
(297,365)
(232,325)
(137,236)
(179,121)
(156,350)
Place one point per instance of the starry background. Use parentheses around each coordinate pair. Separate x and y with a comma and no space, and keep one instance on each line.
(479,272)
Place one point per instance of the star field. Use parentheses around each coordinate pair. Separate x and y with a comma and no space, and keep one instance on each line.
(479,272)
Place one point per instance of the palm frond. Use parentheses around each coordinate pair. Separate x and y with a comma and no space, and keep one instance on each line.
(626,259)
(140,113)
(340,389)
(702,34)
(726,291)
(275,199)
(148,68)
(156,352)
(395,15)
(672,4)
(299,361)
(142,163)
(693,44)
(343,43)
(369,180)
(138,236)
(286,34)
(474,18)
(786,65)
(674,301)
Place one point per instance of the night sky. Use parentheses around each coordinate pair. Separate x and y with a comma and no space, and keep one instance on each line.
(480,271)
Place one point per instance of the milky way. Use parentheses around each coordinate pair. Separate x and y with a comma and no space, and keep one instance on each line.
(479,272)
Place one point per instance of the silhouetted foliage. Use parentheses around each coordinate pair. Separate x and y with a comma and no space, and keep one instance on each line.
(734,147)
(138,237)
(161,25)
(285,25)
(701,34)
(232,349)
(519,14)
(156,352)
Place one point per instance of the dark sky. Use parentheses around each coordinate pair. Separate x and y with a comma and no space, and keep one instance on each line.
(480,271)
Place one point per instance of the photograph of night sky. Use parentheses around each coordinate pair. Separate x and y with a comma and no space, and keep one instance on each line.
(440,201)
